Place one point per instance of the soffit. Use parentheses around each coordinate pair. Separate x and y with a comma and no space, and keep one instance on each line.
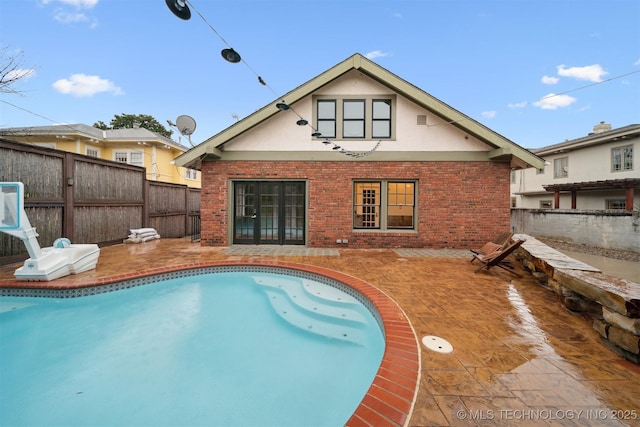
(596,185)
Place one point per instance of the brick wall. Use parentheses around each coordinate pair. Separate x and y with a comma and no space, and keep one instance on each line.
(460,204)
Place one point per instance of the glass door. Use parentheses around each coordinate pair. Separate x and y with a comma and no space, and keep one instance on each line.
(269,212)
(294,209)
(244,212)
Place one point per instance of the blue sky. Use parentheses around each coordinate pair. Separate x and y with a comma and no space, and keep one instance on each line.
(498,62)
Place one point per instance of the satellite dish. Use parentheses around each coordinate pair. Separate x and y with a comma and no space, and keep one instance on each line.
(186,125)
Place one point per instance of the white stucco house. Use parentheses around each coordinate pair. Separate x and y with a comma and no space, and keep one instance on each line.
(595,172)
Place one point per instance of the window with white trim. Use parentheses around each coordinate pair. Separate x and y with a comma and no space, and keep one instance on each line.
(384,205)
(365,118)
(191,174)
(561,167)
(130,157)
(92,152)
(622,158)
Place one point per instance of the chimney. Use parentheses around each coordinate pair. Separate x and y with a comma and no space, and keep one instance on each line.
(601,127)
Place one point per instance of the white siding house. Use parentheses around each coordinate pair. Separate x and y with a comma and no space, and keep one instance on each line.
(595,172)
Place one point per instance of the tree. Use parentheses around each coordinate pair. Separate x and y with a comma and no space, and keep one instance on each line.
(125,121)
(11,69)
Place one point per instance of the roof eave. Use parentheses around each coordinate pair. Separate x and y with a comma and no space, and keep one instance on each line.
(614,135)
(518,156)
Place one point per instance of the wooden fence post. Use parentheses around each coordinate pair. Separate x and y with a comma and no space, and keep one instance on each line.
(68,183)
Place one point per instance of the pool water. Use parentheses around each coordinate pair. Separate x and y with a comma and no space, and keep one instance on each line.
(221,349)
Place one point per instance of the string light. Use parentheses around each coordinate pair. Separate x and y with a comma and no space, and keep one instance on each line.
(180,8)
(47,118)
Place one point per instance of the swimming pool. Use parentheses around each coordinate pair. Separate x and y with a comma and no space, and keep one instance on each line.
(179,352)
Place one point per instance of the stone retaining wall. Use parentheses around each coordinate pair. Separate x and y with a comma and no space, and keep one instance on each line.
(614,303)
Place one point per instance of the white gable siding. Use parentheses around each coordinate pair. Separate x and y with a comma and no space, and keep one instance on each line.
(280,133)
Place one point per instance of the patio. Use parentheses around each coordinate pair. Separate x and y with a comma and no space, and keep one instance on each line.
(519,358)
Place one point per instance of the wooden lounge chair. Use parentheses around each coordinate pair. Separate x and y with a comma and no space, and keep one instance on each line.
(498,258)
(499,243)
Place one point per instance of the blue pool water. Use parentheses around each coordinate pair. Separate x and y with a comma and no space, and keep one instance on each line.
(221,349)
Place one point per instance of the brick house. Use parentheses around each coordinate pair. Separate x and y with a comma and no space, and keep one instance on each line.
(356,157)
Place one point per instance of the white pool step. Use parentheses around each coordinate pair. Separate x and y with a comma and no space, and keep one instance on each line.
(310,307)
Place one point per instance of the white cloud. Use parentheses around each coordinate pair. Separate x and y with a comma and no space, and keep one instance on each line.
(637,62)
(80,4)
(549,80)
(20,74)
(82,85)
(65,17)
(592,73)
(72,11)
(518,104)
(553,101)
(488,114)
(376,54)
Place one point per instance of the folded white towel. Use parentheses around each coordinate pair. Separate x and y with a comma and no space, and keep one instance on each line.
(142,230)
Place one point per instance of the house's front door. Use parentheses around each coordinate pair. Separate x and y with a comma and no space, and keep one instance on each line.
(269,212)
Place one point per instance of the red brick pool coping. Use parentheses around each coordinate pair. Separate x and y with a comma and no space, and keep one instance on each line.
(391,396)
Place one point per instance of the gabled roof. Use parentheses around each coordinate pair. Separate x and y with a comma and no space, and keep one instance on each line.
(82,131)
(503,148)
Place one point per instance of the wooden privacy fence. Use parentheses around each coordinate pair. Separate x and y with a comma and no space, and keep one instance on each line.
(90,200)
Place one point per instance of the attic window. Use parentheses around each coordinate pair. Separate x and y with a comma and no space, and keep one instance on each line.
(421,119)
(355,117)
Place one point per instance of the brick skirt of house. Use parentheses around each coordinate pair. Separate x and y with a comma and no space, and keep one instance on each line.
(459,204)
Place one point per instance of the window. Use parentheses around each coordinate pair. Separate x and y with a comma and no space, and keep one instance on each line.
(622,158)
(561,167)
(353,115)
(191,174)
(514,202)
(384,205)
(327,118)
(381,119)
(363,118)
(545,204)
(615,204)
(129,157)
(93,152)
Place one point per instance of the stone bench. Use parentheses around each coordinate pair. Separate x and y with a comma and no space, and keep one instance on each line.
(613,302)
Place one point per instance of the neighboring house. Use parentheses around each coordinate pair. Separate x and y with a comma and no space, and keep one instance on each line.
(356,157)
(134,146)
(595,172)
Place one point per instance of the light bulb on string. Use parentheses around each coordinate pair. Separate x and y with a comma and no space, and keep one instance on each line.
(182,9)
